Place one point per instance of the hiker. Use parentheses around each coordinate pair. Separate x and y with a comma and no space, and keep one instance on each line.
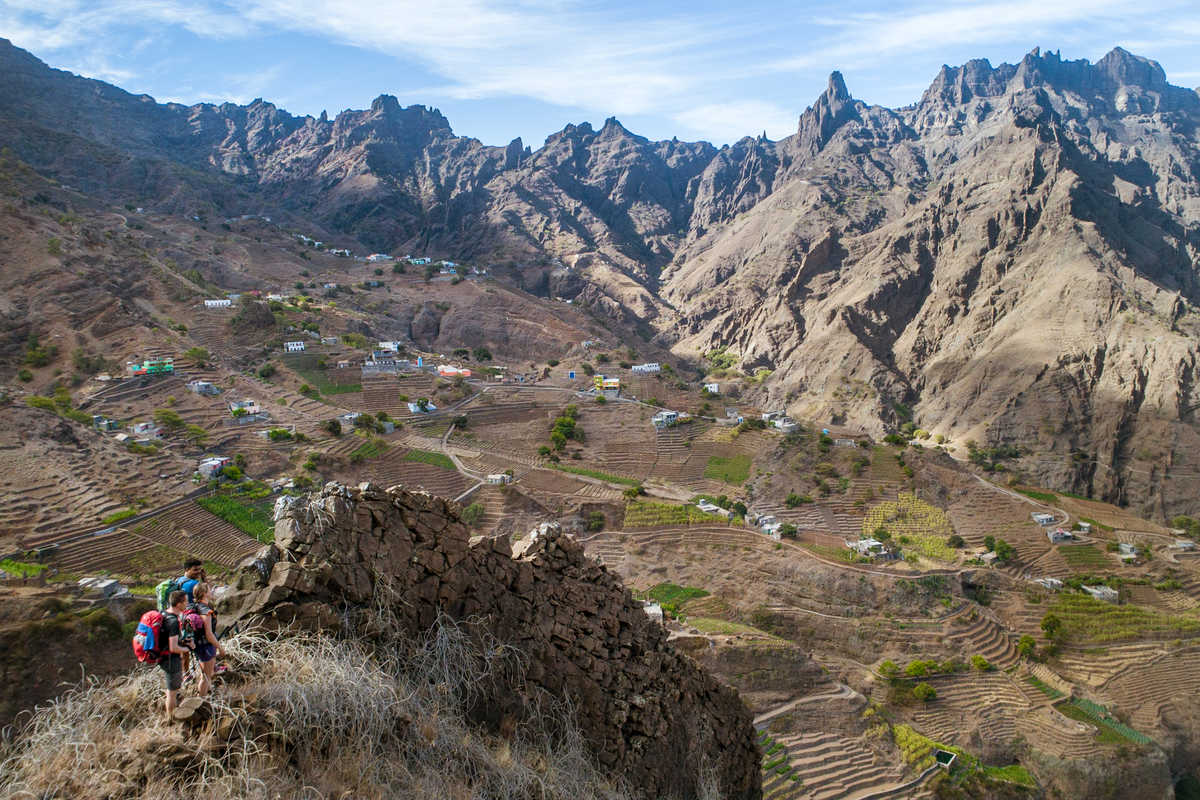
(193,573)
(208,647)
(179,644)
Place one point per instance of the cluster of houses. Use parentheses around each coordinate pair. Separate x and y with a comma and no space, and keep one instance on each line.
(651,368)
(211,466)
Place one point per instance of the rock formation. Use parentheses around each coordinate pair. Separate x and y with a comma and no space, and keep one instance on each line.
(649,713)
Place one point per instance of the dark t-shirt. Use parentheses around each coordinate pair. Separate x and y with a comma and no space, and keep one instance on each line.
(171,661)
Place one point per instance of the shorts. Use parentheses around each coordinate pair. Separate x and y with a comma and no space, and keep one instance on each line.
(205,652)
(173,669)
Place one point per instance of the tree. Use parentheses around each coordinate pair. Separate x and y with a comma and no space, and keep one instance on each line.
(472,514)
(199,355)
(596,521)
(989,542)
(889,669)
(231,472)
(482,354)
(196,435)
(787,530)
(882,534)
(980,663)
(423,403)
(334,426)
(956,541)
(1052,626)
(924,692)
(168,419)
(558,439)
(1005,551)
(1026,646)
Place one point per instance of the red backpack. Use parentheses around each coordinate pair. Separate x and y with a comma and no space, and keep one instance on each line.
(150,640)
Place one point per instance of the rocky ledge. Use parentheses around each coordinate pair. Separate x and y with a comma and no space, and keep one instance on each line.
(648,712)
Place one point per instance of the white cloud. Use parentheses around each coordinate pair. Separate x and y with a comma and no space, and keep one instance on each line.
(728,122)
(699,68)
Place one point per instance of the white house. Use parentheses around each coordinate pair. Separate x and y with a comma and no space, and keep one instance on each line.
(203,387)
(329,340)
(1053,584)
(249,406)
(147,430)
(415,408)
(653,611)
(1126,549)
(1058,535)
(276,298)
(712,388)
(1085,527)
(771,415)
(391,347)
(329,286)
(211,466)
(223,303)
(374,257)
(786,424)
(294,347)
(499,478)
(1184,544)
(340,251)
(1105,593)
(866,547)
(420,261)
(711,508)
(1043,519)
(665,418)
(651,368)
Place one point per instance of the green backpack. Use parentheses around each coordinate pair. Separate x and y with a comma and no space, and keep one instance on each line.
(162,592)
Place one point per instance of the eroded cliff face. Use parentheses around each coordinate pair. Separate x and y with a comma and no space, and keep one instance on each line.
(649,713)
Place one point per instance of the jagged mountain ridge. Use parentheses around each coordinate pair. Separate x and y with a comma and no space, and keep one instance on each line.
(1012,257)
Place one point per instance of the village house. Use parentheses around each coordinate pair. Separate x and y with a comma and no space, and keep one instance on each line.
(276,298)
(1085,527)
(1043,519)
(330,285)
(499,479)
(653,611)
(712,388)
(650,368)
(452,371)
(415,408)
(375,257)
(391,346)
(770,416)
(250,407)
(222,303)
(785,424)
(420,261)
(343,365)
(341,252)
(711,508)
(144,431)
(1105,593)
(1053,584)
(294,347)
(104,424)
(868,548)
(664,418)
(329,340)
(211,466)
(1059,535)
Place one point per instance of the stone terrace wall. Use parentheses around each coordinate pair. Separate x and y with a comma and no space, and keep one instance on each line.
(648,712)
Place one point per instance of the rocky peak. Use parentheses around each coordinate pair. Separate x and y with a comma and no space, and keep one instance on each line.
(639,703)
(820,121)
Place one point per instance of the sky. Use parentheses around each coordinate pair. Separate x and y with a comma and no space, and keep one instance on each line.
(498,70)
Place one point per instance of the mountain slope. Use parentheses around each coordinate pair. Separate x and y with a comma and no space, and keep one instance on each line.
(1012,258)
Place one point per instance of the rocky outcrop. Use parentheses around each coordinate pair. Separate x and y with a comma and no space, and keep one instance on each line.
(649,713)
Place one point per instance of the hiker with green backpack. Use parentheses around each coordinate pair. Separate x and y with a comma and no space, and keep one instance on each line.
(193,573)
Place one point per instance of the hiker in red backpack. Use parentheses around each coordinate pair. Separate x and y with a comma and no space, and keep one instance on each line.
(179,643)
(208,647)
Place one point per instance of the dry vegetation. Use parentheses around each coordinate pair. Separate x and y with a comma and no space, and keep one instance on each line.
(310,716)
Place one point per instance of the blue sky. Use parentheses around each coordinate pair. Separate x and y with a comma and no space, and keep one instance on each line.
(702,70)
